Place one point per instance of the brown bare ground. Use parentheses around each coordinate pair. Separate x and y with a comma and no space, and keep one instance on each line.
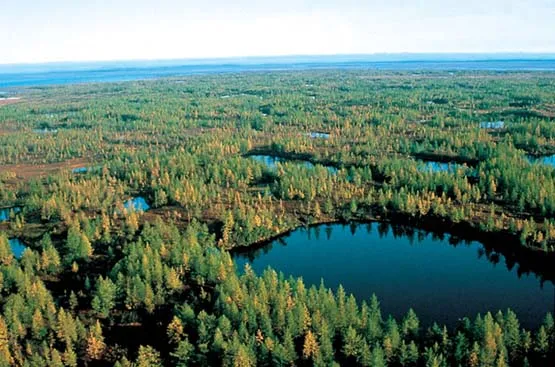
(5,102)
(27,170)
(548,111)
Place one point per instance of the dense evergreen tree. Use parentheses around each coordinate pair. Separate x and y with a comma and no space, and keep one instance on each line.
(104,283)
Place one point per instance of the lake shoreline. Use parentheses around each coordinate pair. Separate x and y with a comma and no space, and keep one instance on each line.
(391,261)
(505,243)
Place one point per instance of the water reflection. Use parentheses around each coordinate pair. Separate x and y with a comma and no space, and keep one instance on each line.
(272,161)
(45,131)
(7,213)
(492,124)
(137,203)
(433,166)
(17,247)
(319,135)
(548,160)
(443,277)
(80,170)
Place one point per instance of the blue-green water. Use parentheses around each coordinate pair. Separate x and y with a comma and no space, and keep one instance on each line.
(80,170)
(548,160)
(45,131)
(116,71)
(6,212)
(84,169)
(271,162)
(319,135)
(440,281)
(432,166)
(137,203)
(492,125)
(17,247)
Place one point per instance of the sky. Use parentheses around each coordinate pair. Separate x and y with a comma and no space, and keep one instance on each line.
(34,31)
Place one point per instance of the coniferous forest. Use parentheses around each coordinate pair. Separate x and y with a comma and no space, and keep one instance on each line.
(122,206)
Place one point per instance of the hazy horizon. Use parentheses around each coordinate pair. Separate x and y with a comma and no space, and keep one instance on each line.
(282,59)
(379,56)
(66,31)
(15,75)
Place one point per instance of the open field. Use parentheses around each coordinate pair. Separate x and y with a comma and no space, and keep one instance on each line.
(7,101)
(29,170)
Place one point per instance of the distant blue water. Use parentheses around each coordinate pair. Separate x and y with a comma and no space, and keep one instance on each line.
(442,282)
(74,73)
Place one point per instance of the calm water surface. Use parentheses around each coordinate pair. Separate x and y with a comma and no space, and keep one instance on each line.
(17,247)
(319,135)
(137,203)
(272,161)
(548,160)
(45,131)
(5,213)
(80,170)
(116,71)
(492,124)
(406,268)
(432,166)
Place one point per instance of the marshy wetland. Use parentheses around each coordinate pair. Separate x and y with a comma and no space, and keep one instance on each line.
(130,211)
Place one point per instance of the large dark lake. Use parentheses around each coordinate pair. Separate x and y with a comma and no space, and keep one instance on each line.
(442,281)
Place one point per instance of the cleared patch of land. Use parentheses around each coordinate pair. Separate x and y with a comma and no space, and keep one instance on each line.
(27,171)
(7,101)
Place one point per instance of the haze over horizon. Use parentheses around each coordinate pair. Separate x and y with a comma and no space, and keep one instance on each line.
(297,58)
(64,30)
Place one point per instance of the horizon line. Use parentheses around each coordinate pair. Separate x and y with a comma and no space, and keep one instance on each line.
(485,56)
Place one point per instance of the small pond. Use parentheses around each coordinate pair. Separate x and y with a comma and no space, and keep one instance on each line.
(137,203)
(492,124)
(548,160)
(432,166)
(45,131)
(441,280)
(272,161)
(5,213)
(319,135)
(17,247)
(80,170)
(85,169)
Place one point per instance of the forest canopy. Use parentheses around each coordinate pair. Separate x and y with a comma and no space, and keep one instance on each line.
(128,198)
